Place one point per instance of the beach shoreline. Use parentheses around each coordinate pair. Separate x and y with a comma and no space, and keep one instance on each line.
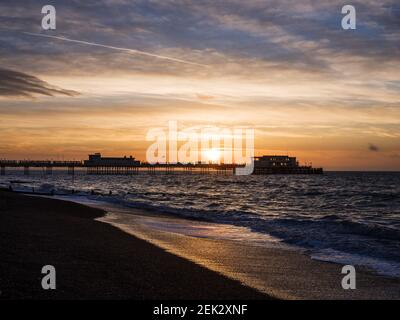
(272,271)
(94,260)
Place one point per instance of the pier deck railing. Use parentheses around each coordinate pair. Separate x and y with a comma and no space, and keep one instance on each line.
(117,168)
(126,169)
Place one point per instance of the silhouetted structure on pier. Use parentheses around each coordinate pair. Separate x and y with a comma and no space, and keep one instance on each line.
(97,160)
(111,165)
(277,164)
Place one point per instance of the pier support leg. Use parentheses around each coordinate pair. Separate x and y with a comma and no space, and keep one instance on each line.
(2,170)
(49,170)
(26,171)
(71,170)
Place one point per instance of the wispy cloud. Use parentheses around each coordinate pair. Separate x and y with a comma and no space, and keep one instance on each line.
(14,83)
(127,50)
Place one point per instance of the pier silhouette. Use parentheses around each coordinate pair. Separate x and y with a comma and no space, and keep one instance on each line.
(98,165)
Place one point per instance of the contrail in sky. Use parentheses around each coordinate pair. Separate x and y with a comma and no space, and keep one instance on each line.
(132,51)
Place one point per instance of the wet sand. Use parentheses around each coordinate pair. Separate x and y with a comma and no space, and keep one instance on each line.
(94,260)
(279,271)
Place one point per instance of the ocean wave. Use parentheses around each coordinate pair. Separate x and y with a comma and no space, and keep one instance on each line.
(352,213)
(332,223)
(323,236)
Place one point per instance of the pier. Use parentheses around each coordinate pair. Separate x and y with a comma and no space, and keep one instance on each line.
(98,165)
(115,168)
(46,166)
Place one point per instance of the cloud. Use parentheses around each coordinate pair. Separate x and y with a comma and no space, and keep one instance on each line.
(267,39)
(127,50)
(373,147)
(204,97)
(15,83)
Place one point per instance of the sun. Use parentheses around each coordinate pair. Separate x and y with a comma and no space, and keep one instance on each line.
(212,155)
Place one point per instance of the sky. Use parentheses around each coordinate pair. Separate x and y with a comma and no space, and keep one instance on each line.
(114,69)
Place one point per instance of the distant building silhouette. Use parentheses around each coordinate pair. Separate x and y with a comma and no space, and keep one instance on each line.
(97,160)
(276,162)
(282,165)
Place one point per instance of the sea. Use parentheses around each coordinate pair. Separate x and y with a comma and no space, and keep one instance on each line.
(343,217)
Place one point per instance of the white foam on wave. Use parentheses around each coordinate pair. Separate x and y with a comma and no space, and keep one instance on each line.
(124,216)
(380,266)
